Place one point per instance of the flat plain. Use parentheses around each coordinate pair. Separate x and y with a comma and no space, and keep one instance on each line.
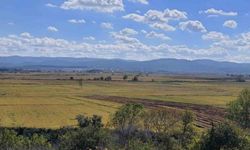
(52,100)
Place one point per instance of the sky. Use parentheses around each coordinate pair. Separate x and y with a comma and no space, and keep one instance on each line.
(127,29)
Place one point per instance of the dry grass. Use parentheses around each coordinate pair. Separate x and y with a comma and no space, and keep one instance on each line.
(47,102)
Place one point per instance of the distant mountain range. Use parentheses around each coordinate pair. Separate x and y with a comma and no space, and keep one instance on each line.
(159,65)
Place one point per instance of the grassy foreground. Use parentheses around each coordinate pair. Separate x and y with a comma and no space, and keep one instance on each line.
(50,103)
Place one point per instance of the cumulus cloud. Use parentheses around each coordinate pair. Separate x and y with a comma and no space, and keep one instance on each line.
(26,35)
(107,6)
(140,1)
(125,36)
(163,26)
(158,19)
(75,21)
(230,24)
(152,16)
(215,12)
(161,36)
(128,32)
(107,25)
(215,36)
(52,29)
(126,46)
(51,5)
(192,26)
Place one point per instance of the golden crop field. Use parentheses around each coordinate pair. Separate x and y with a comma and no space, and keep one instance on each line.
(53,101)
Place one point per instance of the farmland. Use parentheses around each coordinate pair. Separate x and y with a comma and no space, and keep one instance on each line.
(52,100)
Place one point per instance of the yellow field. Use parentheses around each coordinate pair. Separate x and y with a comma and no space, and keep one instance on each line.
(55,103)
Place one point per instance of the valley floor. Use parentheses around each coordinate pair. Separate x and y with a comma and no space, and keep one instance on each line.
(53,100)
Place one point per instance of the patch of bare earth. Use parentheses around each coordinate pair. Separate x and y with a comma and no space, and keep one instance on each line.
(205,114)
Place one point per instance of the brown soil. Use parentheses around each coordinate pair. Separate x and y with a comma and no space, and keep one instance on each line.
(205,114)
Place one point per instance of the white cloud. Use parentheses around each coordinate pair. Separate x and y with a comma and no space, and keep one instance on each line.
(26,35)
(107,6)
(215,12)
(128,32)
(123,47)
(52,29)
(89,38)
(75,21)
(152,16)
(134,17)
(192,26)
(107,25)
(140,1)
(163,26)
(51,5)
(158,19)
(215,36)
(125,36)
(161,36)
(230,24)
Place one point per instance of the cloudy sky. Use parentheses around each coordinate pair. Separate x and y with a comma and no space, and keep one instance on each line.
(127,29)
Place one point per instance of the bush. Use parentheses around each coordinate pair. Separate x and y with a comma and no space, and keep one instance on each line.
(126,119)
(109,78)
(223,136)
(95,121)
(125,77)
(239,110)
(9,140)
(161,120)
(85,138)
(136,78)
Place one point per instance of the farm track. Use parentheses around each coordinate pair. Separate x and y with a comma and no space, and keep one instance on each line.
(205,114)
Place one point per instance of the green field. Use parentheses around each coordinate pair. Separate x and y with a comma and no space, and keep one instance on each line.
(42,100)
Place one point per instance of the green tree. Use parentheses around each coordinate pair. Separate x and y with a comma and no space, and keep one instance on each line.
(127,117)
(239,110)
(85,139)
(161,120)
(125,77)
(136,78)
(95,121)
(188,131)
(223,136)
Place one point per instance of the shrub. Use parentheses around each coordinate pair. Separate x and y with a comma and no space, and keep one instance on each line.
(126,119)
(223,136)
(239,110)
(85,138)
(125,77)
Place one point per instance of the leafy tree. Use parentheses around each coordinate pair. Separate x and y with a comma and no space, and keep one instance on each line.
(223,136)
(84,139)
(161,120)
(239,110)
(125,77)
(127,117)
(83,121)
(109,78)
(95,121)
(10,140)
(136,78)
(188,131)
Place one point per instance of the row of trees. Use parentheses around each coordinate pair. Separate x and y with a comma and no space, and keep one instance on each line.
(132,127)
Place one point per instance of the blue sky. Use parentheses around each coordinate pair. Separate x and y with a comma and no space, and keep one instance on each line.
(126,29)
